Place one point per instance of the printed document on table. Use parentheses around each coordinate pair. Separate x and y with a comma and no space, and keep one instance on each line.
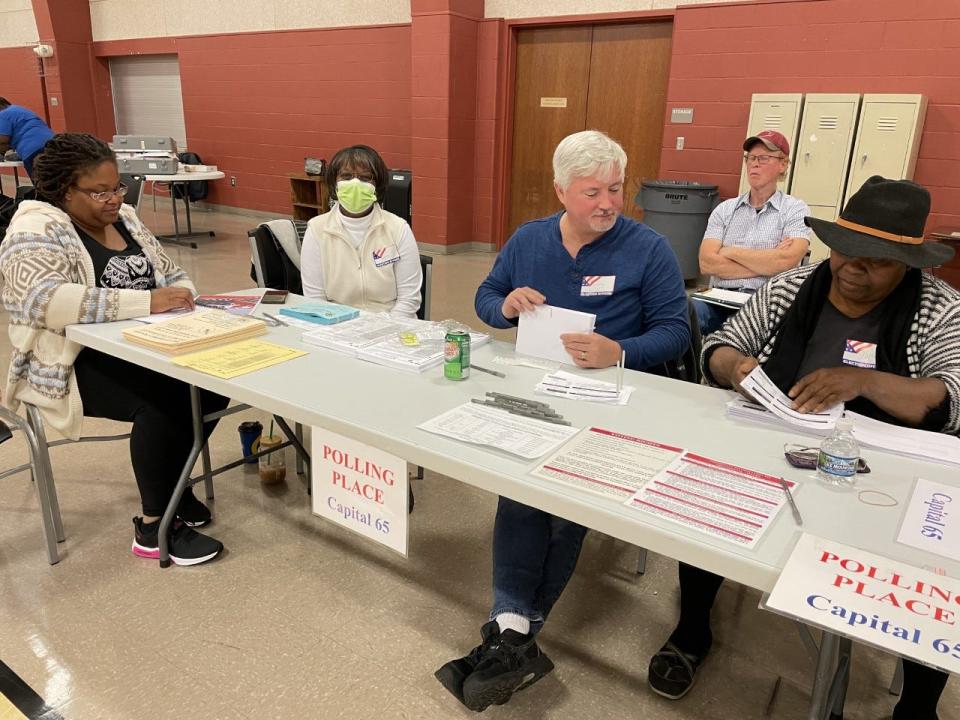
(576,387)
(765,392)
(481,425)
(352,335)
(230,361)
(540,329)
(933,446)
(607,463)
(932,519)
(724,501)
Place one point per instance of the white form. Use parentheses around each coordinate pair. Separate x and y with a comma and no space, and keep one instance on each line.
(606,462)
(348,337)
(765,392)
(576,387)
(481,425)
(932,446)
(932,519)
(721,500)
(540,329)
(723,297)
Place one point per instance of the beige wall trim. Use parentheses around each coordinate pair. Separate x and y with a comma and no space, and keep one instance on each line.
(557,8)
(431,249)
(18,26)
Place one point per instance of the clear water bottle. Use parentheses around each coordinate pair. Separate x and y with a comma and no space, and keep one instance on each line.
(839,455)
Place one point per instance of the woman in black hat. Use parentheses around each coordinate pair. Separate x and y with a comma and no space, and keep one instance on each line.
(866,328)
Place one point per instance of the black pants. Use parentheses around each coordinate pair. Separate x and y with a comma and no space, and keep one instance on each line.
(159,408)
(922,686)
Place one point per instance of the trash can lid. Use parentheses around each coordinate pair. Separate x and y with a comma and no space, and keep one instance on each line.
(678,185)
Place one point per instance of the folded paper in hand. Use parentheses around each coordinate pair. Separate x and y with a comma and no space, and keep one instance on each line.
(540,329)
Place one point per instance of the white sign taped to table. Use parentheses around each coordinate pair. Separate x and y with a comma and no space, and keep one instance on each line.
(360,487)
(872,599)
(932,521)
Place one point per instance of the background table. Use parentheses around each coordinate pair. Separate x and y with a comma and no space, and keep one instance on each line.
(16,165)
(183,178)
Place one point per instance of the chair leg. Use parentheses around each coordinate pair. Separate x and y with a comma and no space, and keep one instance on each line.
(44,469)
(642,561)
(896,684)
(298,431)
(40,482)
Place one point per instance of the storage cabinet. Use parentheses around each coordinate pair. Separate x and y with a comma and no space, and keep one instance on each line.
(308,194)
(780,112)
(822,156)
(888,138)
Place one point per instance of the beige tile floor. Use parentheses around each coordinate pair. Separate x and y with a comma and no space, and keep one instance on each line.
(300,619)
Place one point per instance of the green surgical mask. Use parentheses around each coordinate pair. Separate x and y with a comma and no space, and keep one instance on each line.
(356,196)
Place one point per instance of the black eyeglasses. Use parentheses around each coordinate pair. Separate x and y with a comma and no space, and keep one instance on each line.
(806,457)
(762,159)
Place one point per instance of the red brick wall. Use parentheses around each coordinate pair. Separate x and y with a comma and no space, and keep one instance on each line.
(723,54)
(255,104)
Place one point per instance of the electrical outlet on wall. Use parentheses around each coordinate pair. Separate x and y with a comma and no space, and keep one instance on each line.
(680,142)
(233,181)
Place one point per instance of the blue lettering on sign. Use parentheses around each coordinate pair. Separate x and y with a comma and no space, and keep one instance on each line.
(855,619)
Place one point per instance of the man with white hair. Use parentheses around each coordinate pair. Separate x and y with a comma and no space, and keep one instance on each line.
(588,257)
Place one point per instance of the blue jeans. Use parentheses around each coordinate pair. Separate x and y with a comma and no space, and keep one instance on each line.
(534,556)
(712,317)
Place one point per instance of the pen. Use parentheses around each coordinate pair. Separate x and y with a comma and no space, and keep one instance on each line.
(487,370)
(514,398)
(514,410)
(793,503)
(275,319)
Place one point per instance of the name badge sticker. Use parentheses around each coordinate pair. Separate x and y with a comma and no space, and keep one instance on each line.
(860,354)
(386,255)
(597,285)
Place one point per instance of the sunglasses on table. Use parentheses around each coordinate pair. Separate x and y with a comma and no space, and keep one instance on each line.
(806,457)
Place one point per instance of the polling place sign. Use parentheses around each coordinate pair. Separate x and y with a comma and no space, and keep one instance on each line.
(869,598)
(359,487)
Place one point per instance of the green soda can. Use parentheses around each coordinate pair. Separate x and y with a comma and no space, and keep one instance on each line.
(456,353)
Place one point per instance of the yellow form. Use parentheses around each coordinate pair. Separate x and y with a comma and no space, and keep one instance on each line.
(240,358)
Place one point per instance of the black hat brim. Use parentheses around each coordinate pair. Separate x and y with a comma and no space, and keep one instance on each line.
(856,244)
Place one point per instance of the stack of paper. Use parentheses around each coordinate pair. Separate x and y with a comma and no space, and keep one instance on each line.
(575,387)
(351,336)
(725,298)
(766,393)
(234,304)
(196,331)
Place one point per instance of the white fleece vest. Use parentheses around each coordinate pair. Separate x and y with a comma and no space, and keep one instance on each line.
(361,277)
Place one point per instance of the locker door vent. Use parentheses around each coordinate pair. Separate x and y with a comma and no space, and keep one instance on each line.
(829,122)
(773,122)
(887,124)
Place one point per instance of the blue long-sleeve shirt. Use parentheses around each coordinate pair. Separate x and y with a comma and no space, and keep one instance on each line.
(647,311)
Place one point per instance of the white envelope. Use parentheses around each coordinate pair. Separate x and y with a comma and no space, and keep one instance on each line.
(539,332)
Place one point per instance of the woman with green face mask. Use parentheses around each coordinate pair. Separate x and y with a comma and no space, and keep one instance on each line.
(359,254)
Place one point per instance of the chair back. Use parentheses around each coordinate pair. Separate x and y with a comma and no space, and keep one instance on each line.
(134,185)
(426,268)
(272,265)
(687,366)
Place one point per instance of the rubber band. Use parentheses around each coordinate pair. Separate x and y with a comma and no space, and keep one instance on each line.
(893,501)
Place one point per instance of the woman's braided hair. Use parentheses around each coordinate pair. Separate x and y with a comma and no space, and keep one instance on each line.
(65,158)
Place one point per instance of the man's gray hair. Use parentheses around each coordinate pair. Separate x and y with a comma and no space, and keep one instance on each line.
(587,153)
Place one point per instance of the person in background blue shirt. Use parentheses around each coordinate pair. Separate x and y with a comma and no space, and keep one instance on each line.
(589,258)
(23,131)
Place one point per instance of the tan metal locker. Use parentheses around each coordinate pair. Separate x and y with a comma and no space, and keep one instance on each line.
(888,138)
(780,112)
(822,156)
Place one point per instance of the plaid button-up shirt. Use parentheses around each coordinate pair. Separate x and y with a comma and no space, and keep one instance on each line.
(735,222)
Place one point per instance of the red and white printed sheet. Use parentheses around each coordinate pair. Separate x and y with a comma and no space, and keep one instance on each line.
(721,500)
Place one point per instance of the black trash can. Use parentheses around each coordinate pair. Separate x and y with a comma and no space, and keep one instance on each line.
(679,210)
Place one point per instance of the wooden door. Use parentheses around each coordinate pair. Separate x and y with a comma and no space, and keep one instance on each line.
(550,102)
(603,77)
(629,69)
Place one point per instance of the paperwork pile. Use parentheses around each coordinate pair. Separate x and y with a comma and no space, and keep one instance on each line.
(196,331)
(575,387)
(411,345)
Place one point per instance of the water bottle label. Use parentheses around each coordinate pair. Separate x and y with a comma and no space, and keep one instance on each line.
(837,465)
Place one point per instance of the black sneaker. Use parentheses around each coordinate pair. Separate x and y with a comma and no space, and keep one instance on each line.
(187,546)
(453,673)
(193,512)
(506,663)
(673,672)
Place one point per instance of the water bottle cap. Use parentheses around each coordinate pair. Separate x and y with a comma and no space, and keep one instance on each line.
(844,425)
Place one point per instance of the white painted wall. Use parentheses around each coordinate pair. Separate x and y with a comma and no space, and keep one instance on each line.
(125,19)
(17,24)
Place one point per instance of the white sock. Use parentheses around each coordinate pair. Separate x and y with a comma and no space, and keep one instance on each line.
(511,621)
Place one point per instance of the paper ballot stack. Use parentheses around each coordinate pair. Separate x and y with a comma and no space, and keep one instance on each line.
(196,331)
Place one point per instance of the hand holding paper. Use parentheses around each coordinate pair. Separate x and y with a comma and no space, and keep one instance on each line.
(590,350)
(520,301)
(540,330)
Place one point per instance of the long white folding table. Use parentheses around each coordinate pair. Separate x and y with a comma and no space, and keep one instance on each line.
(381,406)
(183,179)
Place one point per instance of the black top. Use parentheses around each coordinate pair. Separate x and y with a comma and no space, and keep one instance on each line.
(127,269)
(838,340)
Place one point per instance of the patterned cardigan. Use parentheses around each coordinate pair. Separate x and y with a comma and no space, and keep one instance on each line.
(49,283)
(933,346)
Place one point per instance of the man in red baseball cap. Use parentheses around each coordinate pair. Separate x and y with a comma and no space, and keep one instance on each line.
(757,235)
